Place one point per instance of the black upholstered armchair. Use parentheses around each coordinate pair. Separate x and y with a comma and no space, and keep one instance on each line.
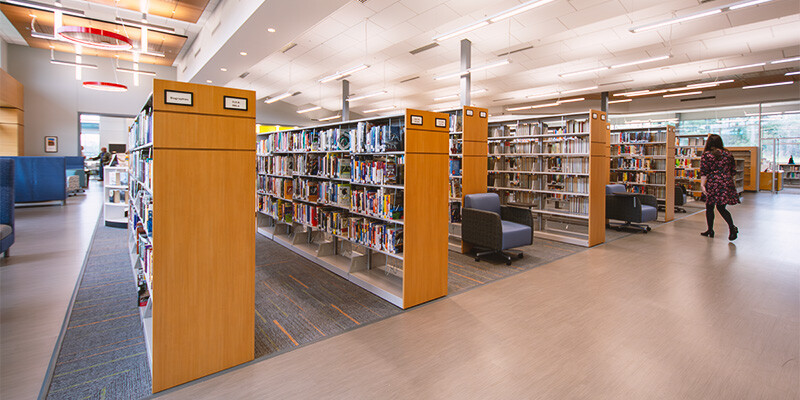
(632,208)
(486,224)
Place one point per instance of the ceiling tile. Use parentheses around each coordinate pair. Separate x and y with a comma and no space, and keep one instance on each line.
(392,15)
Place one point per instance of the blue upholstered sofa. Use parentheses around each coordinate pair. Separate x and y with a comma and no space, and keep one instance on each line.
(6,204)
(39,179)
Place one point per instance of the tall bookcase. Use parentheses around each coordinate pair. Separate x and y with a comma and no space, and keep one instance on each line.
(468,155)
(191,163)
(746,167)
(558,167)
(366,199)
(643,159)
(791,175)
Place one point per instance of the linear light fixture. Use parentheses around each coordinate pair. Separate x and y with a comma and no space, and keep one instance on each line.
(366,96)
(138,24)
(455,96)
(579,90)
(620,101)
(682,94)
(342,74)
(136,71)
(710,71)
(519,9)
(72,63)
(707,84)
(461,31)
(557,103)
(632,93)
(329,118)
(645,61)
(44,7)
(792,73)
(278,97)
(540,95)
(768,85)
(586,71)
(785,60)
(380,109)
(700,14)
(473,69)
(309,109)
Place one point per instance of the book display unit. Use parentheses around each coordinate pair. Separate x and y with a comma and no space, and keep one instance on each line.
(746,158)
(791,175)
(643,159)
(191,235)
(115,190)
(558,167)
(366,199)
(468,152)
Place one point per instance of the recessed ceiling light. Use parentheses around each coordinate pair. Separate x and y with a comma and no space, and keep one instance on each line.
(278,97)
(571,100)
(223,69)
(792,73)
(620,101)
(785,60)
(366,96)
(683,94)
(243,53)
(768,85)
(208,81)
(647,60)
(344,73)
(271,30)
(329,118)
(708,84)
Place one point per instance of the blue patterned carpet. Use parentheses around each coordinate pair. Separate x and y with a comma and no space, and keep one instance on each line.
(103,355)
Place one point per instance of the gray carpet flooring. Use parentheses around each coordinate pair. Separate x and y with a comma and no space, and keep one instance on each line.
(102,354)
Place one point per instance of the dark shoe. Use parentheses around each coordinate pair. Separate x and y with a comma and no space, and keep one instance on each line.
(734,233)
(709,233)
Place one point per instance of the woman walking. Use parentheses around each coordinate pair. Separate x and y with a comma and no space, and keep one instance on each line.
(717,169)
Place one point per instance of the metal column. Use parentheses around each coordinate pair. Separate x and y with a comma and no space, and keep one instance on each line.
(604,102)
(345,103)
(466,79)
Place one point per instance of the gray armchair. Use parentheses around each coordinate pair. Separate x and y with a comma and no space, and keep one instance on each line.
(632,208)
(486,224)
(680,200)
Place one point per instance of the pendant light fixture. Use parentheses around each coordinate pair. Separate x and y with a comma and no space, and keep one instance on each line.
(94,38)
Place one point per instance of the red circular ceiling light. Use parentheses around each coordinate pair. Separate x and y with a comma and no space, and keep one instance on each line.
(105,86)
(95,38)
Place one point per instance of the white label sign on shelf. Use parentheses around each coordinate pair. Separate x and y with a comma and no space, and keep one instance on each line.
(235,103)
(178,98)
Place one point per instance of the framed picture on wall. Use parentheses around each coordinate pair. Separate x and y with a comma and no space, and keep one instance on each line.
(51,144)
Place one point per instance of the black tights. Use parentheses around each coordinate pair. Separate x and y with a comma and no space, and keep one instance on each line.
(726,215)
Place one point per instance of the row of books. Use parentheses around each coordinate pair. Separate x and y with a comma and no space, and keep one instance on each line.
(388,238)
(455,166)
(277,165)
(117,196)
(521,129)
(143,204)
(638,137)
(281,187)
(692,141)
(574,184)
(569,204)
(456,122)
(116,177)
(686,152)
(570,126)
(378,172)
(567,145)
(380,202)
(141,167)
(372,138)
(688,173)
(455,145)
(638,163)
(142,129)
(639,177)
(524,199)
(638,150)
(455,212)
(144,250)
(687,162)
(659,192)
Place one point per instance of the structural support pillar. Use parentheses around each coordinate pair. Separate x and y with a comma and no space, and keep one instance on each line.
(466,79)
(345,103)
(604,102)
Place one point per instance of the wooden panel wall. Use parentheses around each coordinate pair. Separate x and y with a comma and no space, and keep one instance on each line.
(12,130)
(599,169)
(669,204)
(426,209)
(474,167)
(203,242)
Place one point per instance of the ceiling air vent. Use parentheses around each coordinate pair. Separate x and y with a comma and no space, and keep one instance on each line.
(504,99)
(409,79)
(423,48)
(288,47)
(244,75)
(700,98)
(214,31)
(197,52)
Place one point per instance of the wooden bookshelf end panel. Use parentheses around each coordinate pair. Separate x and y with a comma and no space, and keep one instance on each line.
(425,229)
(192,131)
(600,131)
(208,100)
(598,178)
(204,294)
(475,126)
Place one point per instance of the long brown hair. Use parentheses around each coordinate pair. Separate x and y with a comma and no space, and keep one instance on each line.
(714,145)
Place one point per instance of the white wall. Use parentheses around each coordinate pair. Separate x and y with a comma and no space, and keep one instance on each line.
(53,97)
(114,130)
(3,55)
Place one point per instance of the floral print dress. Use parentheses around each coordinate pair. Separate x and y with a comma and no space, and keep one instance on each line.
(719,173)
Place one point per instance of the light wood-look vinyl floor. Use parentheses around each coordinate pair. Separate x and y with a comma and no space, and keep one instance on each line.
(667,315)
(36,285)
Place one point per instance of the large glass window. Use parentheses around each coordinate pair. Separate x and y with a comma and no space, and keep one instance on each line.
(90,134)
